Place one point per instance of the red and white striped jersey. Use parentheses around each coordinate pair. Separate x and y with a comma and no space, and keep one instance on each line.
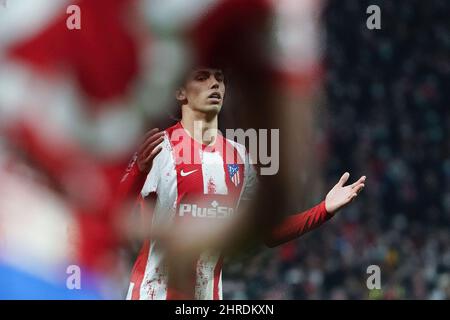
(209,184)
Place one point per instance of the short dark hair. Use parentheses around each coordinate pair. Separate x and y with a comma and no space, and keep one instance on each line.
(185,74)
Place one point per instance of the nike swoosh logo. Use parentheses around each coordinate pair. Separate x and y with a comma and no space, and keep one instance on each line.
(184,174)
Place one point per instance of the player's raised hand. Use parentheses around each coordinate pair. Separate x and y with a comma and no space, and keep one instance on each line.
(149,149)
(340,195)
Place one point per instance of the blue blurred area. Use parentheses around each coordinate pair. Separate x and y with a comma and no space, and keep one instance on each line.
(18,285)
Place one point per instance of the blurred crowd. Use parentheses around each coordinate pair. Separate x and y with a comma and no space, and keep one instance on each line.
(387,117)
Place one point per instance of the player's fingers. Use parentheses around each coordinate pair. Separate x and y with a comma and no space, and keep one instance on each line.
(352,196)
(343,179)
(153,136)
(153,154)
(358,188)
(144,144)
(360,180)
(151,146)
(151,139)
(148,134)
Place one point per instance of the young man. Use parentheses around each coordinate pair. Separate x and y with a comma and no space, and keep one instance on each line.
(196,177)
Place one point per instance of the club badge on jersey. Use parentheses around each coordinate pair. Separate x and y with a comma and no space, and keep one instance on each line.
(233,171)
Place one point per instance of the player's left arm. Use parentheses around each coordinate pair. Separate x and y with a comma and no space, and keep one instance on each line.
(126,196)
(140,165)
(296,225)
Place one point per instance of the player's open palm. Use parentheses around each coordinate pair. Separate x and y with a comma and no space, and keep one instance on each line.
(149,149)
(340,195)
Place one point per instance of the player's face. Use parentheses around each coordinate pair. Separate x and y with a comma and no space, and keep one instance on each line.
(204,90)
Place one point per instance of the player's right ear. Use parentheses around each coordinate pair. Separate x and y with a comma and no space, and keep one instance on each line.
(180,95)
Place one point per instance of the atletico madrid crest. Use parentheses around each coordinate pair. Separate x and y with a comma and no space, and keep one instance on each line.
(233,171)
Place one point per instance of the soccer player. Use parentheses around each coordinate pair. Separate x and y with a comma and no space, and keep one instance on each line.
(195,177)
